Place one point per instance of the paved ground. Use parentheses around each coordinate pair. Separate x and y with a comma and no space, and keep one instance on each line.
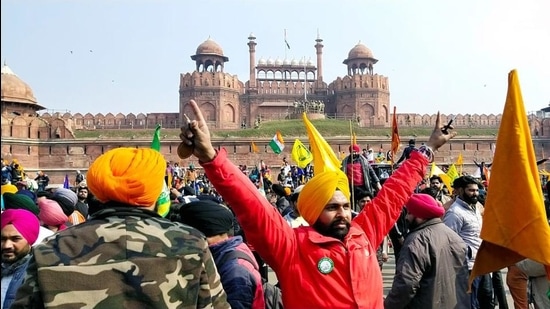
(388,271)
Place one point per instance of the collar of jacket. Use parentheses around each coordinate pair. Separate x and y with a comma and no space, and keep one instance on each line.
(427,223)
(465,205)
(318,238)
(9,269)
(121,210)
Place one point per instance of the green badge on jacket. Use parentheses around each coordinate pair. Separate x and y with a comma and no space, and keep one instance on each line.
(325,265)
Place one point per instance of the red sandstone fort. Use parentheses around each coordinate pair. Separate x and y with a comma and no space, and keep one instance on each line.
(276,89)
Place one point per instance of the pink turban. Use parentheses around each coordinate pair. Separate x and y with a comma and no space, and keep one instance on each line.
(24,221)
(424,206)
(128,175)
(51,213)
(318,191)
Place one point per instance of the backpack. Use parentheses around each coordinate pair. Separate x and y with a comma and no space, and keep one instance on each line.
(272,293)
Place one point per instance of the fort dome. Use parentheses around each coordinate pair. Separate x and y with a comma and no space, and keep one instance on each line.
(15,89)
(209,47)
(360,51)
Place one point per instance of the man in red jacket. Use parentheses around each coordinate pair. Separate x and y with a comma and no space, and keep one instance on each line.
(331,263)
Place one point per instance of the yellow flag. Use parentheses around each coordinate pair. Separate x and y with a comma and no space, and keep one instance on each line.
(452,172)
(435,170)
(460,159)
(254,148)
(300,154)
(324,158)
(354,139)
(514,225)
(343,155)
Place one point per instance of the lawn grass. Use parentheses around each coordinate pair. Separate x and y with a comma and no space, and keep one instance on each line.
(288,128)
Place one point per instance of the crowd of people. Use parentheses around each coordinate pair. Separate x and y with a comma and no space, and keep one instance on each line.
(104,244)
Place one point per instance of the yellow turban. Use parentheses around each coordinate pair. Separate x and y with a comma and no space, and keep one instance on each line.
(128,175)
(318,191)
(9,188)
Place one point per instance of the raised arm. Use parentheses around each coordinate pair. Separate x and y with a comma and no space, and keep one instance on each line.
(378,218)
(265,228)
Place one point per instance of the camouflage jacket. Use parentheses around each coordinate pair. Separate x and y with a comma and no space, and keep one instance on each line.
(123,257)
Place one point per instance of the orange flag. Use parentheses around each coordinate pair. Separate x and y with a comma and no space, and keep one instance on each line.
(254,148)
(395,140)
(514,225)
(324,158)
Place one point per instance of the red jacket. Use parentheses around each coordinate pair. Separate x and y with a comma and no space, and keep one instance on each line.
(355,280)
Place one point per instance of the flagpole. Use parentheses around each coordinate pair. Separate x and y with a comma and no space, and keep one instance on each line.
(352,193)
(285,46)
(305,80)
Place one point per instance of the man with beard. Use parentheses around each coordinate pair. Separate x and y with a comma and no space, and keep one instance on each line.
(332,262)
(431,271)
(465,218)
(19,232)
(441,192)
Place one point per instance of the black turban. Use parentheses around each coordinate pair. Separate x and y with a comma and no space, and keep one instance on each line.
(278,189)
(208,217)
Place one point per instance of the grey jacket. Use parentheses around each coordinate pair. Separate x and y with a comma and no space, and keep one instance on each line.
(466,222)
(431,271)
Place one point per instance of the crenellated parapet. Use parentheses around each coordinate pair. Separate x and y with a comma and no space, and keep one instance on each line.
(210,79)
(373,82)
(459,120)
(37,127)
(90,121)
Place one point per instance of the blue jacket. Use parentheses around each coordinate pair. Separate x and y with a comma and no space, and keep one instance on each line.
(18,274)
(240,279)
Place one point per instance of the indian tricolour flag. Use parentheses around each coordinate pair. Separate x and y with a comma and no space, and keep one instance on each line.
(277,143)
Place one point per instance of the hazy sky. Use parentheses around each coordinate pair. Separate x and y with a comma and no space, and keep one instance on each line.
(452,56)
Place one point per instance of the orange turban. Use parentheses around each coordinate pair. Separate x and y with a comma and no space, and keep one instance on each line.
(128,175)
(318,191)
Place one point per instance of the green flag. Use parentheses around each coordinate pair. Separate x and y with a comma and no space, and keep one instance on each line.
(163,202)
(155,144)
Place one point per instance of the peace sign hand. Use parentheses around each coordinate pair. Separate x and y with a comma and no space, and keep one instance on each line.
(195,137)
(440,134)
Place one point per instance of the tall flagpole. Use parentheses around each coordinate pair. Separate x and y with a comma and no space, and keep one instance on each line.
(350,163)
(285,43)
(305,80)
